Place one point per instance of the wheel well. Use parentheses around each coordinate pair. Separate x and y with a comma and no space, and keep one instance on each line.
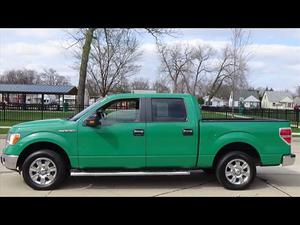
(39,146)
(238,146)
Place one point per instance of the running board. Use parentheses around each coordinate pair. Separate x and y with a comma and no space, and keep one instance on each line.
(79,174)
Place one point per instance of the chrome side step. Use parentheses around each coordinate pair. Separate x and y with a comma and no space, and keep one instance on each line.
(130,173)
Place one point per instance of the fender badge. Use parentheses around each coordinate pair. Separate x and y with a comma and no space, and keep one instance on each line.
(66,131)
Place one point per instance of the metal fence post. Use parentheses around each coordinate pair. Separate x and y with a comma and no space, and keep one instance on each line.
(4,112)
(42,111)
(297,118)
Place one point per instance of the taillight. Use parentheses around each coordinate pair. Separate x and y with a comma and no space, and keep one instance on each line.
(286,134)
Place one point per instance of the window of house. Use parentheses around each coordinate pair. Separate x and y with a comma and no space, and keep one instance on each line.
(168,110)
(273,103)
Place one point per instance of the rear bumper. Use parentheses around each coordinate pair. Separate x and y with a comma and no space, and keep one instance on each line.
(9,161)
(288,160)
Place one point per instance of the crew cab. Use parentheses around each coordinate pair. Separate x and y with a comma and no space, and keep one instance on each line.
(142,134)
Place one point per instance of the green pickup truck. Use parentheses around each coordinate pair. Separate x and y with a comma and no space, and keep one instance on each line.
(145,134)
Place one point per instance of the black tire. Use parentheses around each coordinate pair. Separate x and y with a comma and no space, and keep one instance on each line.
(209,170)
(225,160)
(61,170)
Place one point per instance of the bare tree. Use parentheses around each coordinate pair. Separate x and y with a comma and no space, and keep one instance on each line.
(185,66)
(182,86)
(51,77)
(92,87)
(23,76)
(175,61)
(160,86)
(239,40)
(297,92)
(221,72)
(86,37)
(122,87)
(200,65)
(140,84)
(231,67)
(224,91)
(158,33)
(112,58)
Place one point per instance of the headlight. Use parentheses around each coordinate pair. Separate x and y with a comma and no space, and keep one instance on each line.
(12,139)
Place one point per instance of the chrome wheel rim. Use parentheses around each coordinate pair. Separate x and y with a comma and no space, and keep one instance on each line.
(237,171)
(43,171)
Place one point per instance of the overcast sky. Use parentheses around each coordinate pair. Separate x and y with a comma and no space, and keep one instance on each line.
(274,62)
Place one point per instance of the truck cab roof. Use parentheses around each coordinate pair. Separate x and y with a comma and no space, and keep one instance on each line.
(149,95)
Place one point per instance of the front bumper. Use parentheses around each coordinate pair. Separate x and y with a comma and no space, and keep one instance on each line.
(288,160)
(9,161)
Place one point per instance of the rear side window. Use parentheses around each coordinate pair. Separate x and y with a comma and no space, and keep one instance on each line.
(168,110)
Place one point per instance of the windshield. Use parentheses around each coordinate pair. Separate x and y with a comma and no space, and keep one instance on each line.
(80,114)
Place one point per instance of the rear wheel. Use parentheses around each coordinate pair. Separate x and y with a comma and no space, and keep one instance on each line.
(44,170)
(236,170)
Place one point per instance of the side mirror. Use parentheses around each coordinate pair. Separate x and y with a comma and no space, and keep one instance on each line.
(92,121)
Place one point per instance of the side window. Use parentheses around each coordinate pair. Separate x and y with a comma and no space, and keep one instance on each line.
(168,110)
(121,111)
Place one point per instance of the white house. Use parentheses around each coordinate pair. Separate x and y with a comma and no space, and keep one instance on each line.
(215,102)
(249,98)
(277,100)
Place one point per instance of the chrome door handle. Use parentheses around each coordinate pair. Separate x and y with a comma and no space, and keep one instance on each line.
(138,132)
(187,132)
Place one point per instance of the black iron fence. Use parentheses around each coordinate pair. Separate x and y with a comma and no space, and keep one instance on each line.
(27,112)
(250,113)
(12,113)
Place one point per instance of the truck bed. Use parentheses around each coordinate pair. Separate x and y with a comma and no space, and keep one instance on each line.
(261,134)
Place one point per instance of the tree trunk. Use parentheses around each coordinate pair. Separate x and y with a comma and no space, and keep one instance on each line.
(209,99)
(83,67)
(175,87)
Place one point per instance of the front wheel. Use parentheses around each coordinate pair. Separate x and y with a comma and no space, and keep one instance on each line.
(44,170)
(236,170)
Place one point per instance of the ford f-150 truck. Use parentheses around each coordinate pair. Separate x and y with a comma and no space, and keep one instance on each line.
(142,134)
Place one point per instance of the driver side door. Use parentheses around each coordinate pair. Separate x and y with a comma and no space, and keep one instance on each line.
(119,141)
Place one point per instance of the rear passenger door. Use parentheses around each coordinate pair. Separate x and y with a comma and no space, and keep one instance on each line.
(171,133)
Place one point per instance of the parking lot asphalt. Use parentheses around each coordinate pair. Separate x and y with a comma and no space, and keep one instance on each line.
(270,181)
